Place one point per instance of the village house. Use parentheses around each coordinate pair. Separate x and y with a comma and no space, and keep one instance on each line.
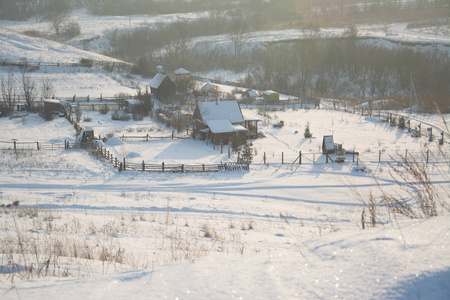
(162,87)
(221,121)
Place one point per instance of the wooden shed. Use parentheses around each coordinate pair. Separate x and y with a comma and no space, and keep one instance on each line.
(162,87)
(328,144)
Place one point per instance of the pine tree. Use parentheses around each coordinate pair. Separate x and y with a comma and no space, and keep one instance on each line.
(307,133)
(247,154)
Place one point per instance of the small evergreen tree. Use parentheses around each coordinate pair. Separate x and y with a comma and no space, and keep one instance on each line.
(235,143)
(401,123)
(247,154)
(307,133)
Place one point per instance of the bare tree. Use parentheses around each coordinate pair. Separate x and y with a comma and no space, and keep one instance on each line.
(56,13)
(181,44)
(9,90)
(46,88)
(239,32)
(29,89)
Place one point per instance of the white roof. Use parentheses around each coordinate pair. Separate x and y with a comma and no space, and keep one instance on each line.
(270,92)
(220,126)
(221,110)
(55,101)
(240,128)
(182,71)
(133,101)
(157,80)
(88,128)
(210,87)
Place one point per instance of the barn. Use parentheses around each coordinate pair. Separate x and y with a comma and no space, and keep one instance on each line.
(162,87)
(220,121)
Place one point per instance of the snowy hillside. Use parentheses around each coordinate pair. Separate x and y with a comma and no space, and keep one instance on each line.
(16,47)
(288,231)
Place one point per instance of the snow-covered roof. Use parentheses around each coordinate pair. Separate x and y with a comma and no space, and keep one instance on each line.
(133,101)
(221,110)
(182,71)
(220,126)
(157,80)
(54,101)
(269,92)
(210,87)
(88,128)
(240,128)
(252,94)
(250,117)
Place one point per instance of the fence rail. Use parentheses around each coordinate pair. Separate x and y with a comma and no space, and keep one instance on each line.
(123,165)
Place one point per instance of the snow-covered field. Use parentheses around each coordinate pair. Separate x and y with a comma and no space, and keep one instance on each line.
(279,231)
(82,229)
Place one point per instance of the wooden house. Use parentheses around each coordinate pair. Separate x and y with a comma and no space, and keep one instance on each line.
(162,87)
(220,121)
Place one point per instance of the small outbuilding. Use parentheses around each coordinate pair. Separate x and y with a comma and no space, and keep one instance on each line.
(328,144)
(271,96)
(162,87)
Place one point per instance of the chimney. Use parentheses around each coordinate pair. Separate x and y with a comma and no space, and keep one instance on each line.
(159,69)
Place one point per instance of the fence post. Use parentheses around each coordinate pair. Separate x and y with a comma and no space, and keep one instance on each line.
(115,162)
(162,166)
(120,167)
(124,165)
(15,145)
(427,154)
(147,137)
(143,166)
(327,157)
(282,157)
(379,155)
(221,149)
(264,157)
(300,157)
(203,167)
(229,152)
(182,168)
(357,160)
(172,134)
(37,144)
(406,154)
(353,155)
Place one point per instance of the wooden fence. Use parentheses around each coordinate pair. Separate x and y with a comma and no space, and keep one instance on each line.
(123,165)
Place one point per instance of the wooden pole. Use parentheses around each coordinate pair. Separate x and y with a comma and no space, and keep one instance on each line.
(300,157)
(143,166)
(15,147)
(427,154)
(379,156)
(264,157)
(37,144)
(282,157)
(162,166)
